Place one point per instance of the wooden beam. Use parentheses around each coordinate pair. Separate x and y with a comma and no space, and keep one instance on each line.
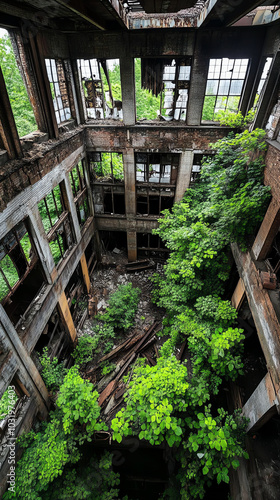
(267,232)
(66,316)
(85,272)
(238,295)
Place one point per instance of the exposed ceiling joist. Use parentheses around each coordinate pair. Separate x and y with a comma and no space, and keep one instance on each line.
(164,6)
(225,13)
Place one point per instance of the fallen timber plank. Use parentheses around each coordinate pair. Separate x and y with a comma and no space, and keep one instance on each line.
(107,391)
(150,342)
(115,351)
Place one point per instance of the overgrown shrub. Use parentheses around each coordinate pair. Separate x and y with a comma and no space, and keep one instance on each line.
(122,307)
(53,372)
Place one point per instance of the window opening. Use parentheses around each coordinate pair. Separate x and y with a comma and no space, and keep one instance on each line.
(156,167)
(21,275)
(149,245)
(163,92)
(108,183)
(101,84)
(263,79)
(59,91)
(224,87)
(19,100)
(91,256)
(57,223)
(153,204)
(80,193)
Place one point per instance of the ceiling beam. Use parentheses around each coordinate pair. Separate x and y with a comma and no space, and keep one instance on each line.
(223,13)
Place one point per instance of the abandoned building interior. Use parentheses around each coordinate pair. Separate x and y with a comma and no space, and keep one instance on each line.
(99,167)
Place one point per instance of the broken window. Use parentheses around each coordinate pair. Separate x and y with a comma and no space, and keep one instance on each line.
(108,183)
(19,100)
(56,338)
(59,90)
(150,202)
(224,87)
(57,223)
(101,84)
(79,189)
(168,80)
(21,275)
(150,245)
(107,167)
(263,79)
(91,256)
(156,167)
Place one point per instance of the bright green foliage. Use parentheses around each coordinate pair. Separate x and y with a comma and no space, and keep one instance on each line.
(20,104)
(53,372)
(215,309)
(57,443)
(107,367)
(84,351)
(147,105)
(6,403)
(11,274)
(156,398)
(235,119)
(110,163)
(122,307)
(224,206)
(88,346)
(78,403)
(47,453)
(212,448)
(115,80)
(96,481)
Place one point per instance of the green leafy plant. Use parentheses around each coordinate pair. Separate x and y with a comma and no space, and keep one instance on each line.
(89,345)
(155,399)
(22,110)
(53,372)
(219,311)
(6,402)
(97,480)
(122,307)
(58,441)
(107,368)
(78,403)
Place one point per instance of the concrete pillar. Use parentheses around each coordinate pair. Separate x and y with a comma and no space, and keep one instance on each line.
(85,272)
(184,174)
(128,90)
(129,180)
(132,245)
(198,82)
(267,232)
(66,316)
(238,295)
(261,405)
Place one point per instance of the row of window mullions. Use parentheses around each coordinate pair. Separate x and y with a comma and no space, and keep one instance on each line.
(20,248)
(48,212)
(73,184)
(5,279)
(56,209)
